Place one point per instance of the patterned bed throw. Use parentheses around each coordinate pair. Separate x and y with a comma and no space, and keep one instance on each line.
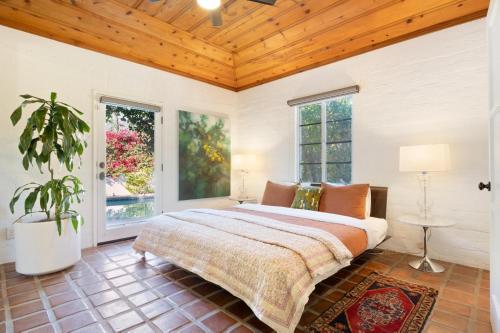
(272,266)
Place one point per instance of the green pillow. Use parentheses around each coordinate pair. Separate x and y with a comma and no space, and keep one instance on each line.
(307,198)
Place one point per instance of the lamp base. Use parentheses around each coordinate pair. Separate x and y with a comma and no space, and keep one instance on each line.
(425,264)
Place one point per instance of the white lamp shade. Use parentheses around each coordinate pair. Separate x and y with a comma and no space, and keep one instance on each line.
(424,158)
(243,161)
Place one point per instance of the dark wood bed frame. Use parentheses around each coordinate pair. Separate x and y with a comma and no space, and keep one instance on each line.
(379,209)
(379,201)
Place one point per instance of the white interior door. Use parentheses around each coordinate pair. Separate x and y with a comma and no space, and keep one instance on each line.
(127,166)
(494,42)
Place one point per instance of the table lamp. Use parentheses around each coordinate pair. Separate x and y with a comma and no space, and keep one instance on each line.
(424,159)
(243,163)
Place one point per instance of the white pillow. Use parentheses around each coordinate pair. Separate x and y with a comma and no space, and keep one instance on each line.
(368,205)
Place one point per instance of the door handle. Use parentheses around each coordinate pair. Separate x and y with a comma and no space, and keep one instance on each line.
(483,186)
(102,175)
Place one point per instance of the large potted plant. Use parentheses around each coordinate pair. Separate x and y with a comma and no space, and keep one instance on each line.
(47,235)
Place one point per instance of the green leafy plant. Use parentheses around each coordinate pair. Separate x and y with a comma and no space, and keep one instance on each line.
(53,131)
(139,182)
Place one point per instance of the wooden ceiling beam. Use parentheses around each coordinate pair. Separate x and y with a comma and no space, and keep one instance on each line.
(401,31)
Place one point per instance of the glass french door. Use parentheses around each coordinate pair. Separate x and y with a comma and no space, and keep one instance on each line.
(128,167)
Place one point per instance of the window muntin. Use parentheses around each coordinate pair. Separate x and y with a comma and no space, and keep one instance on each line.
(325,141)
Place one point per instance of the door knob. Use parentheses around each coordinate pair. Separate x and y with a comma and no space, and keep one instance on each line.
(102,175)
(483,186)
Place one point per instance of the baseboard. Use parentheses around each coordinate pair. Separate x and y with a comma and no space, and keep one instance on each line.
(495,314)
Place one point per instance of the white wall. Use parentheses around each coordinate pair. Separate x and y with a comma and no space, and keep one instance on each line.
(432,89)
(35,65)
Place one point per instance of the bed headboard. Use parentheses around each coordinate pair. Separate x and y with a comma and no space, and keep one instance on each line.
(379,201)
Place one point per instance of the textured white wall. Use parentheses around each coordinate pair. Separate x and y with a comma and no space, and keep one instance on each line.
(432,89)
(426,90)
(35,65)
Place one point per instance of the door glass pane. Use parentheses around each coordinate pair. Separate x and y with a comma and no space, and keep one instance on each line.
(130,190)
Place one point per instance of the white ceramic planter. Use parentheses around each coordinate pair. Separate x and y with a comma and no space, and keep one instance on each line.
(40,249)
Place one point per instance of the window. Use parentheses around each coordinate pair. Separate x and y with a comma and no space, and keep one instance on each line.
(325,143)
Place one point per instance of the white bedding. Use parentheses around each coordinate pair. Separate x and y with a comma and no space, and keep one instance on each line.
(376,228)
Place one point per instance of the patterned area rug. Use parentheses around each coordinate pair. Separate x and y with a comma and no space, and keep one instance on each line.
(379,304)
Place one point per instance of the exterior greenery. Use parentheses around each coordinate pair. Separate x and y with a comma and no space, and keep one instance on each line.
(130,147)
(204,156)
(53,131)
(337,140)
(129,209)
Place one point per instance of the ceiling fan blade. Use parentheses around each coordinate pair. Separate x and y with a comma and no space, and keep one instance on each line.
(265,2)
(216,17)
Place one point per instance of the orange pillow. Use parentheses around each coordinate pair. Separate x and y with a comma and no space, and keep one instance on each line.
(278,194)
(349,200)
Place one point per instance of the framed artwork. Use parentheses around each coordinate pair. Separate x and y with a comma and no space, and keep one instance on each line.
(204,156)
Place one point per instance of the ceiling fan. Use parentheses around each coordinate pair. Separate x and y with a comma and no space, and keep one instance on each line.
(214,8)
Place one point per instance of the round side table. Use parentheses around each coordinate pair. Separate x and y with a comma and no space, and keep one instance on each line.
(425,264)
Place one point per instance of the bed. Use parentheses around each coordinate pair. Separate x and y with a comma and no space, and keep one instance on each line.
(269,257)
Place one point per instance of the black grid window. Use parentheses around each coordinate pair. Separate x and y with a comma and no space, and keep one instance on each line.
(325,142)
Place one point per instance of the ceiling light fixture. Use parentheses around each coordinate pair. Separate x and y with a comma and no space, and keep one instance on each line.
(209,4)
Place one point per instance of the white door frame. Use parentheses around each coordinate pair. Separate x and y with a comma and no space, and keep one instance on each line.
(494,227)
(99,233)
(494,52)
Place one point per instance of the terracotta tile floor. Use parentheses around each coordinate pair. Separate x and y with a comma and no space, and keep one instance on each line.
(111,289)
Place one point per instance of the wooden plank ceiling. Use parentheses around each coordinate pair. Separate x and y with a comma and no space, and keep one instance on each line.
(256,43)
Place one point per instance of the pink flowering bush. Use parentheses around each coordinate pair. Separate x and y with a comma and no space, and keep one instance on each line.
(128,156)
(123,150)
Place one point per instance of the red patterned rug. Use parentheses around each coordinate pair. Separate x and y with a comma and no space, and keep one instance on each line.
(379,304)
